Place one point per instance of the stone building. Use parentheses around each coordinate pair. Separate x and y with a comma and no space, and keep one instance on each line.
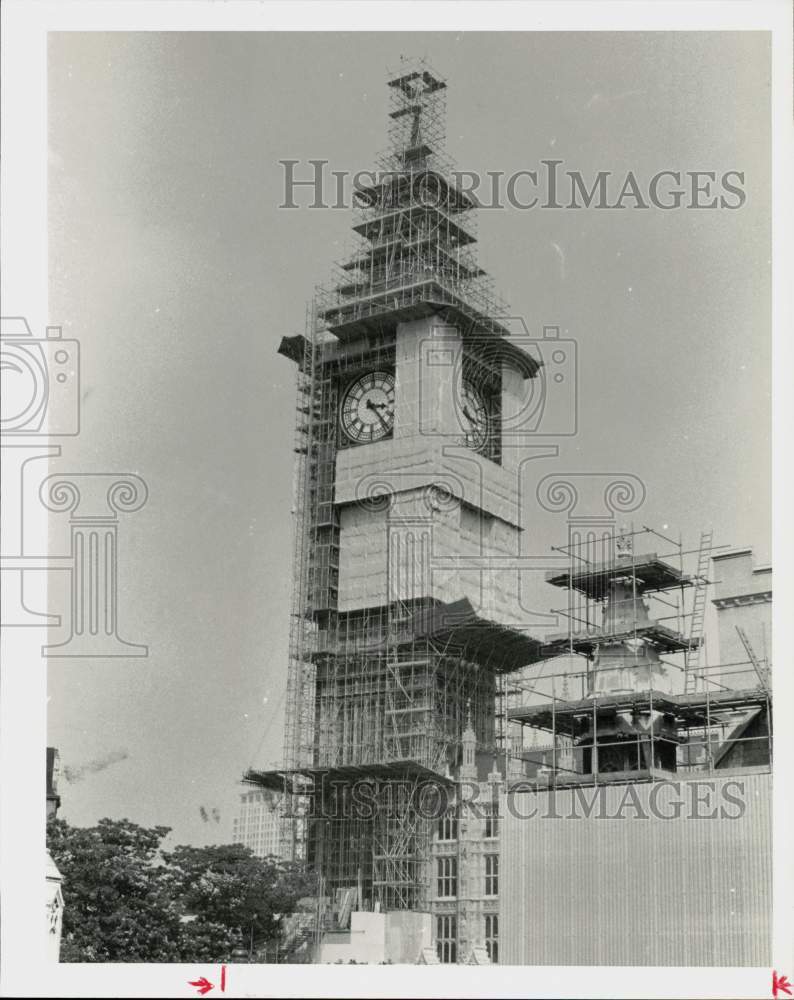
(743,599)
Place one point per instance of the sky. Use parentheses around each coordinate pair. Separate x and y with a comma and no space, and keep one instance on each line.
(173,265)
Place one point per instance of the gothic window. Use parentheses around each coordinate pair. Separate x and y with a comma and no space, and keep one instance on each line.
(447,938)
(448,827)
(491,822)
(447,877)
(491,874)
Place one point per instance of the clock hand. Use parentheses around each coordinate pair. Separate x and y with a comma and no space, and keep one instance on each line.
(376,407)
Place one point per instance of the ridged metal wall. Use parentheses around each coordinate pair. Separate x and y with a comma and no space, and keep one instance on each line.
(632,891)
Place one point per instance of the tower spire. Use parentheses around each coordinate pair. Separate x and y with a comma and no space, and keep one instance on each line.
(416,250)
(468,741)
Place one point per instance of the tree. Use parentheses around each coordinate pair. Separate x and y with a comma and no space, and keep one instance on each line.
(125,900)
(118,903)
(228,886)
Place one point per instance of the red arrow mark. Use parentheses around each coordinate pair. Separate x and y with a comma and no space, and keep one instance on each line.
(780,984)
(203,985)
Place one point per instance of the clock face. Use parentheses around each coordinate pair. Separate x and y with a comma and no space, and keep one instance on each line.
(473,416)
(367,412)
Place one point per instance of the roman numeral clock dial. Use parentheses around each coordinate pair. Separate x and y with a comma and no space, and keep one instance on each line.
(367,412)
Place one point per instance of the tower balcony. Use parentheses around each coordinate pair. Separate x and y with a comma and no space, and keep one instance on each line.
(661,638)
(412,221)
(406,296)
(416,252)
(648,573)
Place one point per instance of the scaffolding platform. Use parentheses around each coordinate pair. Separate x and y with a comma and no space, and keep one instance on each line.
(560,716)
(462,268)
(397,301)
(294,348)
(665,640)
(698,707)
(397,770)
(406,82)
(649,571)
(392,223)
(396,184)
(562,779)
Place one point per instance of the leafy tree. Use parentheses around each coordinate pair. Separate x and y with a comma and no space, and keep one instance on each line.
(118,903)
(128,901)
(228,886)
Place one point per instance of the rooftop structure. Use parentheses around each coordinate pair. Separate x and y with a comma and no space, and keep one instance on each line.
(634,711)
(625,730)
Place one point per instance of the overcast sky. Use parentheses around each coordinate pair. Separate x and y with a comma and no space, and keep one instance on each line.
(172,264)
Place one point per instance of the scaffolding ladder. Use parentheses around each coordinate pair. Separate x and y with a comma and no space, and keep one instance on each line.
(761,672)
(692,654)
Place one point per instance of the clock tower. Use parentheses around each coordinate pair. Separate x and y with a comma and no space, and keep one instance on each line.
(406,497)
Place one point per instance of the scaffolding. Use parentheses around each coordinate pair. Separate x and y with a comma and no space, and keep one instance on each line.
(416,233)
(637,708)
(380,696)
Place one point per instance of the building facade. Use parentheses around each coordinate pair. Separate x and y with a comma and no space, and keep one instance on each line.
(653,845)
(677,873)
(466,863)
(258,823)
(743,599)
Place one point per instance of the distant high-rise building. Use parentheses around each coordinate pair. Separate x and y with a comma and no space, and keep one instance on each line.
(258,825)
